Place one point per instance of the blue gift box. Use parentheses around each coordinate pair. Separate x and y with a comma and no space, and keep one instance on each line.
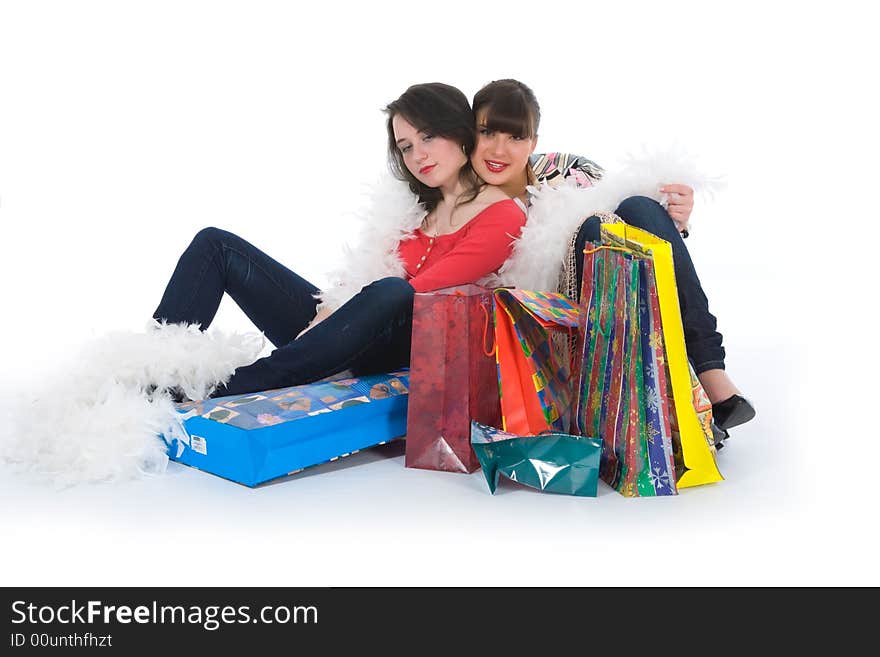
(256,437)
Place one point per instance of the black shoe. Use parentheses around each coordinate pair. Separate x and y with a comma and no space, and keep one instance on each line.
(219,391)
(178,396)
(718,437)
(732,412)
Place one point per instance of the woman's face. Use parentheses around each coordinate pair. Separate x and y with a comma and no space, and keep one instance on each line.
(434,161)
(500,158)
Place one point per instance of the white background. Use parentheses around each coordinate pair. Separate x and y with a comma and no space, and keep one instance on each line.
(127,126)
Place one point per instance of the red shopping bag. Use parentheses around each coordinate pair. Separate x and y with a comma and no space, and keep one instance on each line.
(452,379)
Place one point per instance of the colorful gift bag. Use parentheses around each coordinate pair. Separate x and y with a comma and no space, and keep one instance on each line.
(452,378)
(622,393)
(601,403)
(533,376)
(552,462)
(660,438)
(256,437)
(696,443)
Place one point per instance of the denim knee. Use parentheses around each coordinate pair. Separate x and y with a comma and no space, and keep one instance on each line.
(210,235)
(647,214)
(392,290)
(589,231)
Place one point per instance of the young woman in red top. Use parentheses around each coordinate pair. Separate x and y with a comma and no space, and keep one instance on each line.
(508,115)
(466,234)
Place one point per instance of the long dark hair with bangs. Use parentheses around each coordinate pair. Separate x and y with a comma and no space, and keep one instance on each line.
(443,111)
(510,106)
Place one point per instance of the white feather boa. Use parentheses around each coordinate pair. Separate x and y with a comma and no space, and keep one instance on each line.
(556,213)
(393,214)
(101,417)
(538,255)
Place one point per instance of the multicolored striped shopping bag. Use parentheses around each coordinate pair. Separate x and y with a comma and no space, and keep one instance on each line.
(690,416)
(533,375)
(622,393)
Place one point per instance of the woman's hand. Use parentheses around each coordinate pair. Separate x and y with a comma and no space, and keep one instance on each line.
(323,314)
(681,204)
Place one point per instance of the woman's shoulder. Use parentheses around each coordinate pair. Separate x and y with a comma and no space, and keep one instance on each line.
(491,206)
(502,209)
(490,195)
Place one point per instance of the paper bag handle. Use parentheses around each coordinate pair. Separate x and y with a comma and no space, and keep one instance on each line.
(610,248)
(490,352)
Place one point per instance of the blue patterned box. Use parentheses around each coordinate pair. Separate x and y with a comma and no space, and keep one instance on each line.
(260,436)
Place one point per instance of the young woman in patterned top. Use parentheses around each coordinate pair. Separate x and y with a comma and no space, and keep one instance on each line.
(465,236)
(508,115)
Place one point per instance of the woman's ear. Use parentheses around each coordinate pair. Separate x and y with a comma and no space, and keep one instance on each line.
(534,144)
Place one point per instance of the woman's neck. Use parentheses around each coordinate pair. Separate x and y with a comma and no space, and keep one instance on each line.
(440,219)
(451,192)
(516,187)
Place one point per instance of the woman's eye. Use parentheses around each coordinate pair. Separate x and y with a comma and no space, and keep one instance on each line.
(516,138)
(485,132)
(405,149)
(427,137)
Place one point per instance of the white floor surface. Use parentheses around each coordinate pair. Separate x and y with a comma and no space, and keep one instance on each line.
(125,129)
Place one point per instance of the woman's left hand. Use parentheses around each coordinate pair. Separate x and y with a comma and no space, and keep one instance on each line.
(681,204)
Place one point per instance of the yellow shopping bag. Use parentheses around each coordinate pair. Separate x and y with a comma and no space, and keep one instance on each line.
(697,453)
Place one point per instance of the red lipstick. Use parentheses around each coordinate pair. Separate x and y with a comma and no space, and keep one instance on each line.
(494,166)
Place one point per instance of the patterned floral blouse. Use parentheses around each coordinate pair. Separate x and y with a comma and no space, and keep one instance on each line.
(553,168)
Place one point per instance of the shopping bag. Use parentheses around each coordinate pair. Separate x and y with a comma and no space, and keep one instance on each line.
(452,377)
(695,444)
(533,375)
(552,462)
(622,394)
(660,440)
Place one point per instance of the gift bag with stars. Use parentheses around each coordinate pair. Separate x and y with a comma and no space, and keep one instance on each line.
(622,396)
(692,436)
(631,363)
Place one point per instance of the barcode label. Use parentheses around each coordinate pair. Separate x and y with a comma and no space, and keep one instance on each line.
(199,444)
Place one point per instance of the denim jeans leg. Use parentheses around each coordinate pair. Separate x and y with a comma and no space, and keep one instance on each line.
(278,301)
(370,333)
(588,232)
(702,339)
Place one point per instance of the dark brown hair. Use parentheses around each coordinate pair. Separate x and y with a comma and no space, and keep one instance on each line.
(442,111)
(510,106)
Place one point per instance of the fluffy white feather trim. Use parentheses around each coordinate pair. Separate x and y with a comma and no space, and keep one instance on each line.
(538,255)
(556,212)
(102,416)
(392,215)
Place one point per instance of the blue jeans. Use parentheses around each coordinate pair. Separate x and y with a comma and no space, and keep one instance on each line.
(367,335)
(702,339)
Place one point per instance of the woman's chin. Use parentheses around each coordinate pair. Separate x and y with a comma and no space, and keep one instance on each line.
(495,179)
(435,182)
